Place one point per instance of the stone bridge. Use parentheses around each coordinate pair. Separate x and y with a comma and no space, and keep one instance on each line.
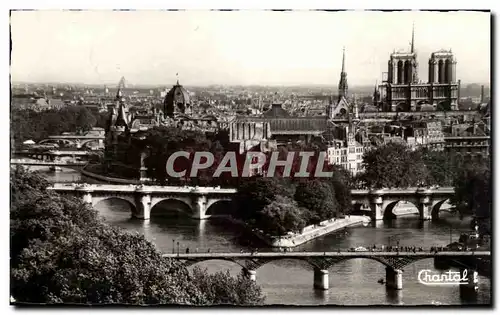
(66,164)
(53,155)
(198,202)
(75,141)
(381,202)
(320,262)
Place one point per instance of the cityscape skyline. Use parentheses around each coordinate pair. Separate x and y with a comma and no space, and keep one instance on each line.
(102,46)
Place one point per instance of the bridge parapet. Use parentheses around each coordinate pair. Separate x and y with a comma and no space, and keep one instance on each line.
(321,262)
(144,197)
(381,201)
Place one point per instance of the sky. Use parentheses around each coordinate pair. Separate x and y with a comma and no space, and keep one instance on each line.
(239,47)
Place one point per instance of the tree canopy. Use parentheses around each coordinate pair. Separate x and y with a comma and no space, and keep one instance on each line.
(28,124)
(319,197)
(393,165)
(61,252)
(473,193)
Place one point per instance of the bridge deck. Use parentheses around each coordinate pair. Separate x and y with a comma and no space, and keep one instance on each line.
(156,188)
(327,254)
(45,163)
(143,188)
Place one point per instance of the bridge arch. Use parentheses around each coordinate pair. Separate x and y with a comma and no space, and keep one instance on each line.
(96,200)
(84,143)
(360,207)
(436,208)
(169,205)
(88,143)
(193,262)
(219,207)
(57,141)
(388,211)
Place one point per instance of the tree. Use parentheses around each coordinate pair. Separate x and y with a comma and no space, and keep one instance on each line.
(257,192)
(394,165)
(28,124)
(341,183)
(84,119)
(281,216)
(221,288)
(473,192)
(61,252)
(442,166)
(318,197)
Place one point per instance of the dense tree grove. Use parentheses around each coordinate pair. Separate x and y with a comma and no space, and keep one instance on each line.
(473,194)
(161,142)
(61,252)
(28,124)
(319,197)
(395,165)
(281,205)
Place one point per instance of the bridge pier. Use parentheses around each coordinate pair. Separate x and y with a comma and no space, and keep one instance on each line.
(376,208)
(393,278)
(200,207)
(472,278)
(143,207)
(250,274)
(425,208)
(321,279)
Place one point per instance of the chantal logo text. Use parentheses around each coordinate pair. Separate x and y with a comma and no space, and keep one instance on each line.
(448,278)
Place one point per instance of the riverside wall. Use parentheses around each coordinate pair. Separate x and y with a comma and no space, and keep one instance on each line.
(107,179)
(308,233)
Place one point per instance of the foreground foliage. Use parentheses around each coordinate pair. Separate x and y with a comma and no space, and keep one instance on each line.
(62,253)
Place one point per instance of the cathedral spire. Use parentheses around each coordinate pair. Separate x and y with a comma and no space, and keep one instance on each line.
(343,78)
(412,38)
(343,59)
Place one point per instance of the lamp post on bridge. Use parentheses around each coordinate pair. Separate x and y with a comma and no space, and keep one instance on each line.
(173,246)
(178,249)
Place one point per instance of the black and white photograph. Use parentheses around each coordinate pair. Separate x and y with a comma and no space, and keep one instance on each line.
(250,158)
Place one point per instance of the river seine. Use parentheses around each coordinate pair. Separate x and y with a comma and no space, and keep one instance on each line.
(353,282)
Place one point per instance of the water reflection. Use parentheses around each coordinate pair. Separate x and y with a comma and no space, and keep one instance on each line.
(322,295)
(352,282)
(468,295)
(394,297)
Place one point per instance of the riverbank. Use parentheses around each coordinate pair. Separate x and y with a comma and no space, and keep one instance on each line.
(92,173)
(308,233)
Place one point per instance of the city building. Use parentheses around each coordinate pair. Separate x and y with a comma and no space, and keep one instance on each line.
(347,153)
(427,134)
(468,145)
(402,91)
(177,101)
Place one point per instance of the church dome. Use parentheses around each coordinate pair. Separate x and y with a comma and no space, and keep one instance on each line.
(177,100)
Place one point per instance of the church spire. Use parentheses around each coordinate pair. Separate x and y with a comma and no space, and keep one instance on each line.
(412,38)
(343,59)
(343,78)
